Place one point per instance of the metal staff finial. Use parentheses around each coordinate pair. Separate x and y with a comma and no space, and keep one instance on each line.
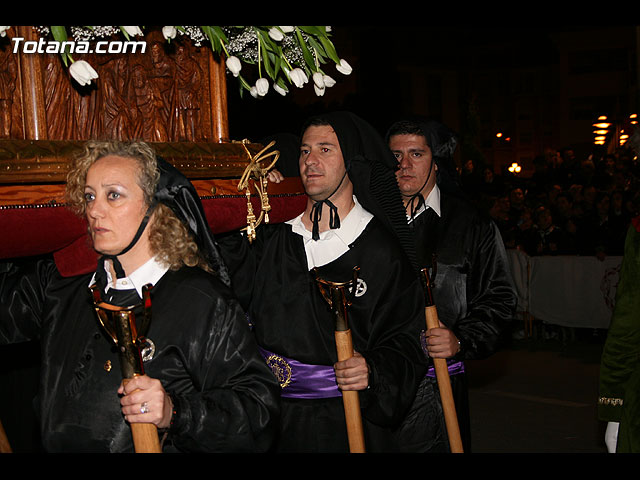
(339,297)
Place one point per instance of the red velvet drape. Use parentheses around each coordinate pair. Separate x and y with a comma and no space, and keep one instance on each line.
(29,231)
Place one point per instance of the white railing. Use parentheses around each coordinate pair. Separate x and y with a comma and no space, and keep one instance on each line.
(569,291)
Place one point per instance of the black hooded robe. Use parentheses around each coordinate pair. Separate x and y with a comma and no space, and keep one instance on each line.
(472,290)
(290,318)
(205,356)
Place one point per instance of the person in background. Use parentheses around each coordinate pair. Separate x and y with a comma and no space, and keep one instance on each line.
(473,292)
(619,385)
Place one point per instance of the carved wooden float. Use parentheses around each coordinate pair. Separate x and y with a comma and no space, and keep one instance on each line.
(35,221)
(173,97)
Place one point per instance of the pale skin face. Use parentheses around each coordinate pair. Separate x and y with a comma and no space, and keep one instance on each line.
(115,207)
(414,162)
(322,170)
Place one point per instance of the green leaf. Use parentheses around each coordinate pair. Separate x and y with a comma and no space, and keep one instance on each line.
(59,34)
(330,49)
(216,36)
(308,57)
(124,32)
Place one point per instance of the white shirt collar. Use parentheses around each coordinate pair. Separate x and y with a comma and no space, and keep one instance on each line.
(432,201)
(335,242)
(150,272)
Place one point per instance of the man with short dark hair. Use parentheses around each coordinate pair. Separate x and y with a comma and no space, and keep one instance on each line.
(472,287)
(354,217)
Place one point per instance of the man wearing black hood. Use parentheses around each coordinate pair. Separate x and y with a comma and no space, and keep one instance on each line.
(472,288)
(354,218)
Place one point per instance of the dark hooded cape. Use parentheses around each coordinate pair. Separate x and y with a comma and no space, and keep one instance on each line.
(205,355)
(291,319)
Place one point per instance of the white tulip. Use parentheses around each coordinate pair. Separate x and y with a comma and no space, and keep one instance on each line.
(281,90)
(328,81)
(133,31)
(287,29)
(298,77)
(82,72)
(318,80)
(254,92)
(3,31)
(319,90)
(262,86)
(276,34)
(169,32)
(234,65)
(343,67)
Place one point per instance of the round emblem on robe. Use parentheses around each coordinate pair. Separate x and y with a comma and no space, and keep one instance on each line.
(280,368)
(361,288)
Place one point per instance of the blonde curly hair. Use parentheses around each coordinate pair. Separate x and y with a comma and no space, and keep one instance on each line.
(170,240)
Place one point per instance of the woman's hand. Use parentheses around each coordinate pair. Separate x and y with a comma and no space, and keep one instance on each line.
(144,400)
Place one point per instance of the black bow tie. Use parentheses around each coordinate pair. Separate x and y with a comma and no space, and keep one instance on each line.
(122,298)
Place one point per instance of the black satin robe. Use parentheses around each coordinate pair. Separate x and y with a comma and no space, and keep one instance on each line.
(291,318)
(205,357)
(473,291)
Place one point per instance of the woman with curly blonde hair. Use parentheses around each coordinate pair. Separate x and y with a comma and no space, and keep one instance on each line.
(204,384)
(169,239)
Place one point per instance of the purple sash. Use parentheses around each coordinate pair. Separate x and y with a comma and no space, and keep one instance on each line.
(301,380)
(453,367)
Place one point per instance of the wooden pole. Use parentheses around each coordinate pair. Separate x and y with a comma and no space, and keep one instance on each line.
(145,436)
(442,374)
(350,399)
(32,87)
(335,294)
(120,325)
(218,90)
(5,446)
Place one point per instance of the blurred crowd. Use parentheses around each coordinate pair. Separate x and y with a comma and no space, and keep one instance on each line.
(568,206)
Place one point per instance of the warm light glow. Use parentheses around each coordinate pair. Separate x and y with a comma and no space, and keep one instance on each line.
(515,168)
(602,125)
(498,134)
(602,117)
(601,132)
(623,138)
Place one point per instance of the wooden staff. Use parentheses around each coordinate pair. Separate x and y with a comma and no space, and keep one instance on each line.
(5,446)
(338,301)
(121,326)
(442,371)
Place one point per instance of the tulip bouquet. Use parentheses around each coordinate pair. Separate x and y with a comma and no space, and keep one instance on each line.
(284,56)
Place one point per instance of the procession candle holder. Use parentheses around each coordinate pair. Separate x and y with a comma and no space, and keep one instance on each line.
(440,365)
(120,325)
(338,296)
